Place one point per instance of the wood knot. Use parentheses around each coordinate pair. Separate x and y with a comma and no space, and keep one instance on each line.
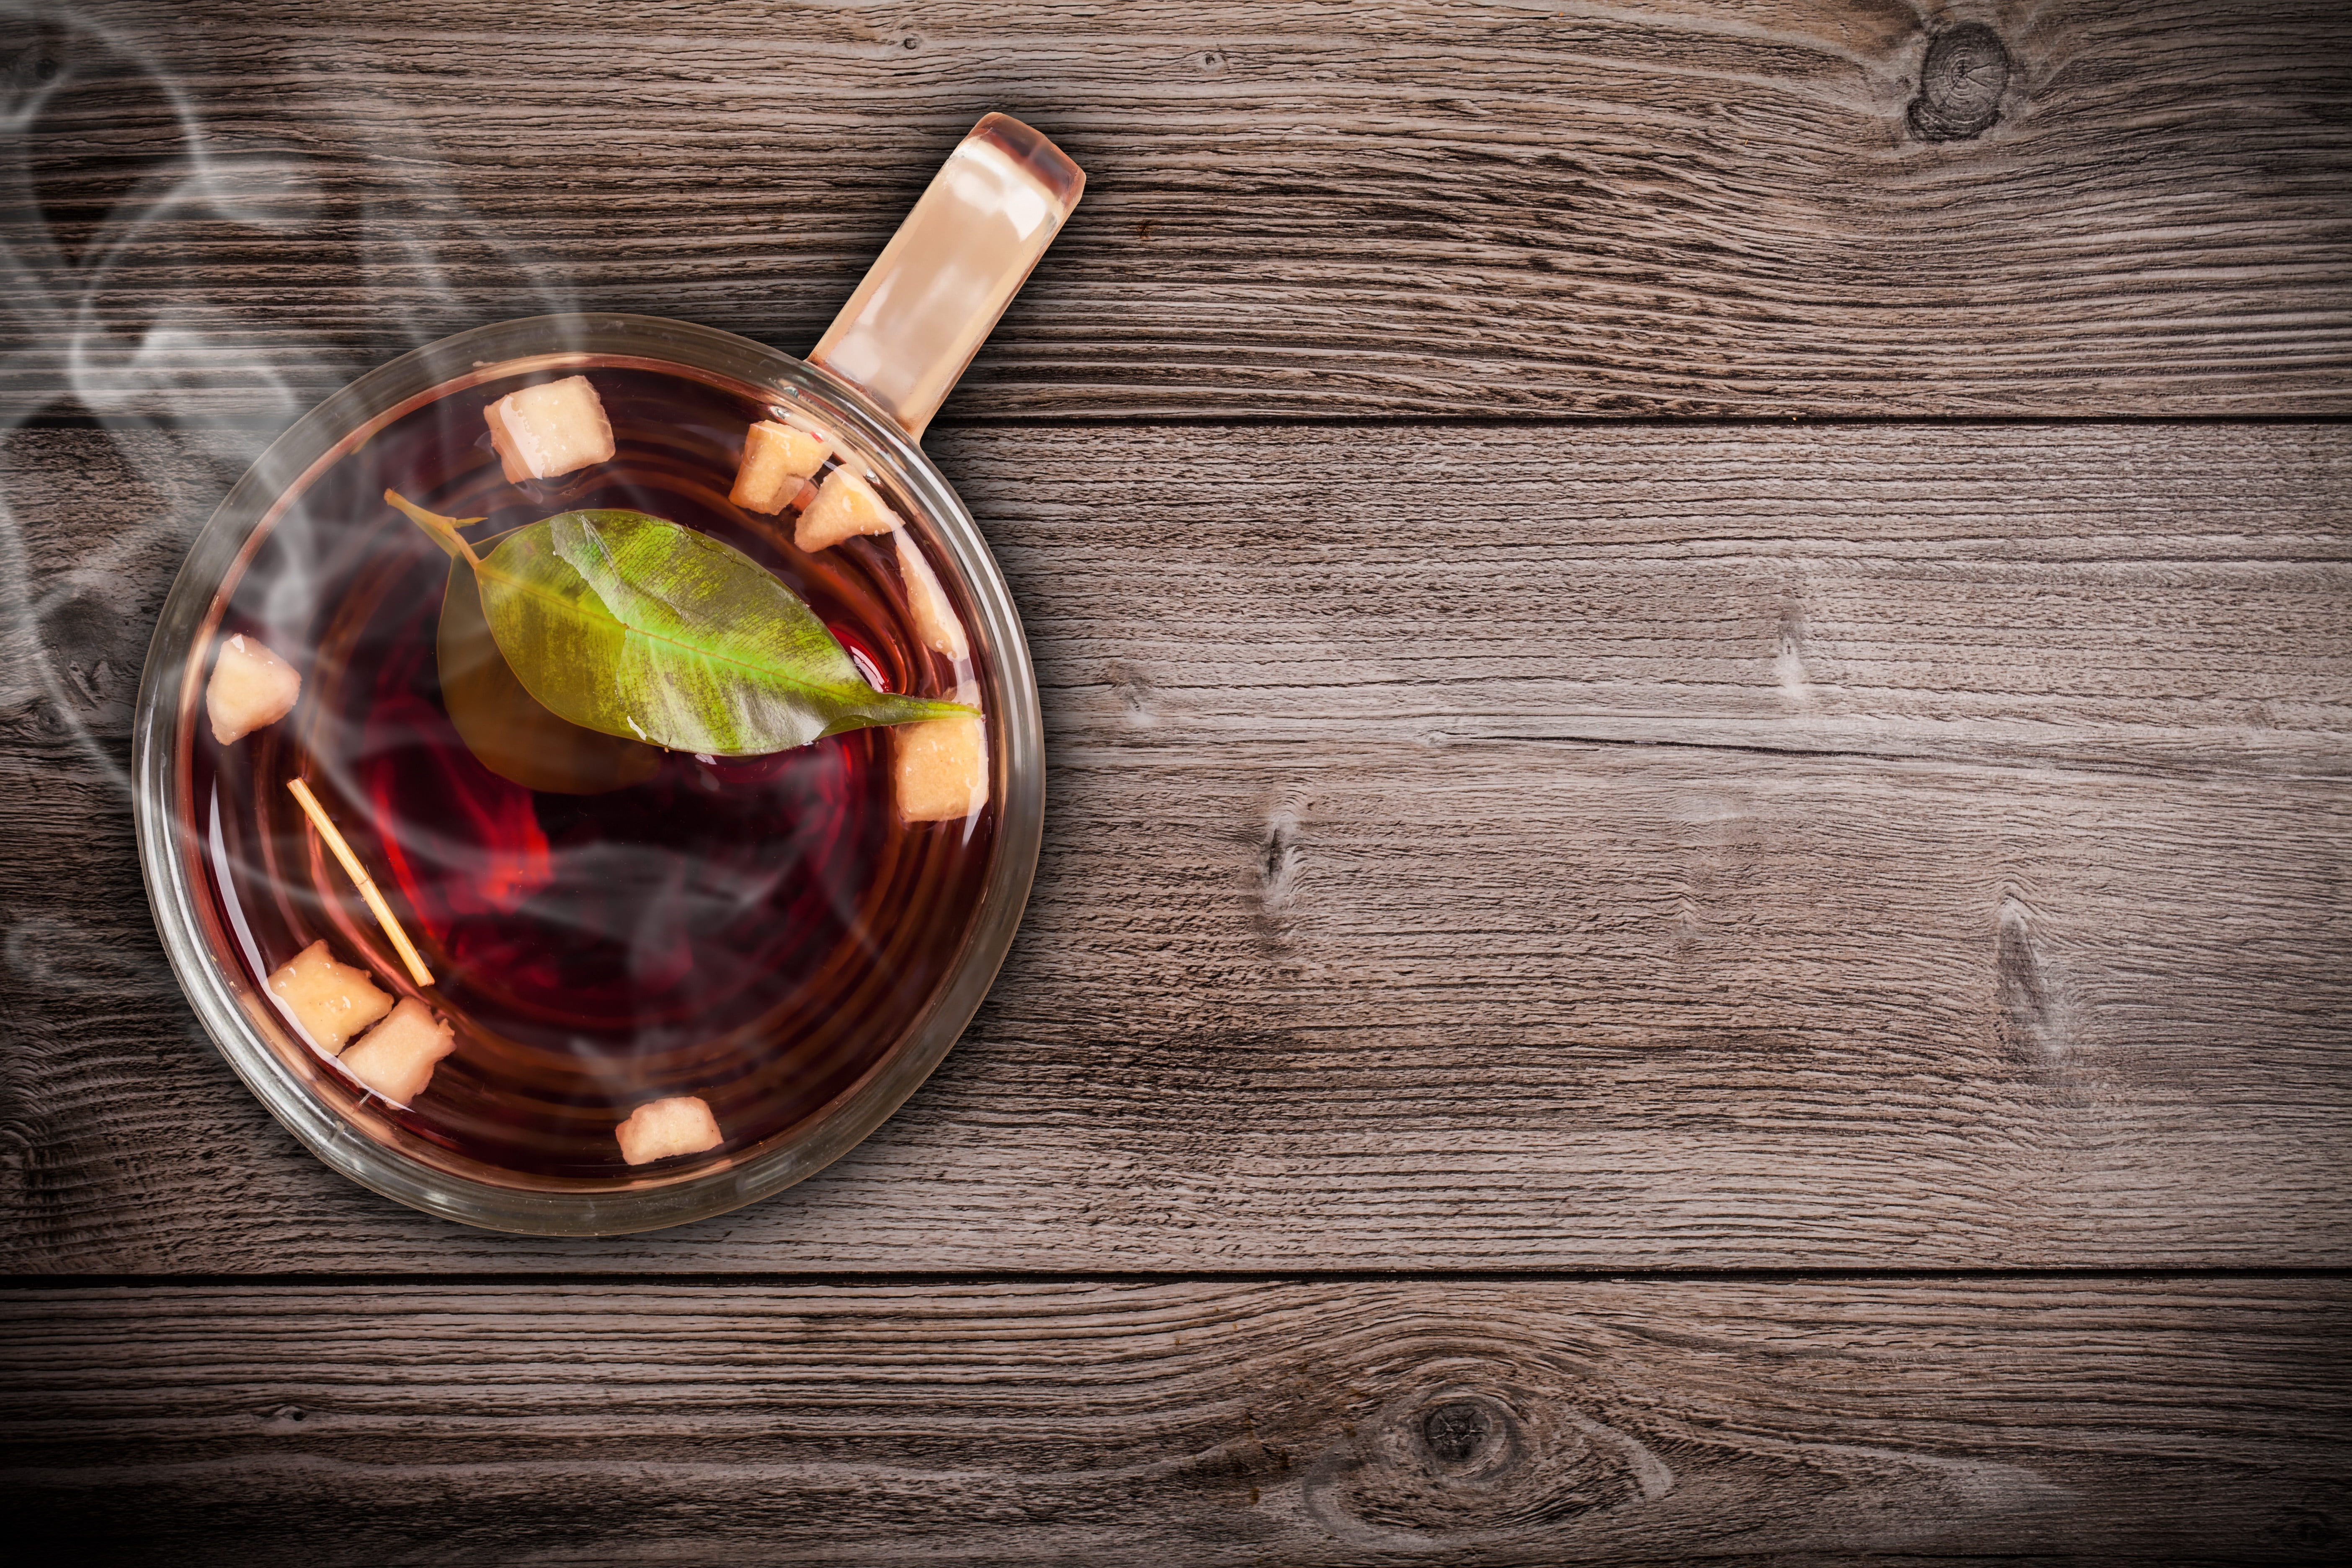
(1132,684)
(2306,1530)
(2030,1017)
(91,630)
(1452,1466)
(1459,1431)
(1281,856)
(1960,84)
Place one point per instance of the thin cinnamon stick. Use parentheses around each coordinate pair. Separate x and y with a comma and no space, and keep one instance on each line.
(359,878)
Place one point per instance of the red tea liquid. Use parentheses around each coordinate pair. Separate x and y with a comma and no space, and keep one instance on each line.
(761,932)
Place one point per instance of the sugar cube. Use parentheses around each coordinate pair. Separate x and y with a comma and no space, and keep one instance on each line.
(250,687)
(943,768)
(777,461)
(935,617)
(549,430)
(396,1059)
(331,1000)
(662,1128)
(845,506)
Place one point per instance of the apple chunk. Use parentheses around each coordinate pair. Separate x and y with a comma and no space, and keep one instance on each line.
(777,461)
(943,768)
(331,1000)
(545,431)
(935,617)
(250,687)
(845,506)
(663,1128)
(396,1059)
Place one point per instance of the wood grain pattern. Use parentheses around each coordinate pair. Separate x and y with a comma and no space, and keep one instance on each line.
(1362,939)
(1306,1422)
(1470,1007)
(1512,846)
(1478,841)
(2170,599)
(1805,207)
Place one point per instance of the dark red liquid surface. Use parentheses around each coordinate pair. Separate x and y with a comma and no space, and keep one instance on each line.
(759,932)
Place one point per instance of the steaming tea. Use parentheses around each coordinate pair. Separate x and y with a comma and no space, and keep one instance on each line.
(634,953)
(571,925)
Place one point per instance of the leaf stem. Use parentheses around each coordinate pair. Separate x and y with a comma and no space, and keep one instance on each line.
(442,529)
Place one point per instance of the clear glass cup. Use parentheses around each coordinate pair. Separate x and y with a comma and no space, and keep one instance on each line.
(872,383)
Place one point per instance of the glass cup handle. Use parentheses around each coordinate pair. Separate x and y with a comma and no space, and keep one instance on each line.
(935,292)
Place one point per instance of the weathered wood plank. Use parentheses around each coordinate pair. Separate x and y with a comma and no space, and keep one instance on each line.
(2169,598)
(1810,207)
(1303,1422)
(2173,599)
(1338,976)
(1474,1007)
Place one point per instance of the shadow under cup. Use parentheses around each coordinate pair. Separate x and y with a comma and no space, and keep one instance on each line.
(763,932)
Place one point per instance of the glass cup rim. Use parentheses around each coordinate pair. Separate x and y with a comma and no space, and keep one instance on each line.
(159,765)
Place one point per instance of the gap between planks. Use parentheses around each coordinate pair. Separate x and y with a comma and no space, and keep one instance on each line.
(983,1279)
(275,422)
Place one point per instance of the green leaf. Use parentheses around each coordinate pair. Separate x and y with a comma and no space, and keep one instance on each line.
(634,626)
(505,727)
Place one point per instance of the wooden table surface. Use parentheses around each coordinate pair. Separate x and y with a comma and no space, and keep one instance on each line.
(1697,660)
